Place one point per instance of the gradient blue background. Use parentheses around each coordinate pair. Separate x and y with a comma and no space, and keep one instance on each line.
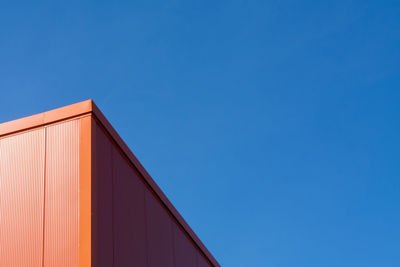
(273,126)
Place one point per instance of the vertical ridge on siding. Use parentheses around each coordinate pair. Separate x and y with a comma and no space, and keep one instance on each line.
(44,192)
(21,199)
(62,195)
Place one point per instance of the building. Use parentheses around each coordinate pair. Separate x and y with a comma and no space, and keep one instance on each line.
(72,194)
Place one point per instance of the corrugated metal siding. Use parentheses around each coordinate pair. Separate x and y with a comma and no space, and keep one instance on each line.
(21,199)
(61,195)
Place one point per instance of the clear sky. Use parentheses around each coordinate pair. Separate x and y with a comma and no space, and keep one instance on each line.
(272,126)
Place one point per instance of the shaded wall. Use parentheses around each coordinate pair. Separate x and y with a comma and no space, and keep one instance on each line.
(131,225)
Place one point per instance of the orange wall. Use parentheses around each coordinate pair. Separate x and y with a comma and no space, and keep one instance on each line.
(39,178)
(21,199)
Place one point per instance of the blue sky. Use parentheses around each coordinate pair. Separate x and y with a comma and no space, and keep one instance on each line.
(273,126)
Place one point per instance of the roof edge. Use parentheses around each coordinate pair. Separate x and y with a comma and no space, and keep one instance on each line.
(47,117)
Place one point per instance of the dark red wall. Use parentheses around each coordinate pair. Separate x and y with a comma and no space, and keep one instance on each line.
(131,226)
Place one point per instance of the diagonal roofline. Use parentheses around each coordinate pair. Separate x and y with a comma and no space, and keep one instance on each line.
(89,107)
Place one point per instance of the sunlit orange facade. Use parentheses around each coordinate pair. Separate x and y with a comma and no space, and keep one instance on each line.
(73,194)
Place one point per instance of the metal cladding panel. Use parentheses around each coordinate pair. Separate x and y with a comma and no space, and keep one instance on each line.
(102,244)
(129,214)
(185,252)
(61,195)
(21,199)
(159,233)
